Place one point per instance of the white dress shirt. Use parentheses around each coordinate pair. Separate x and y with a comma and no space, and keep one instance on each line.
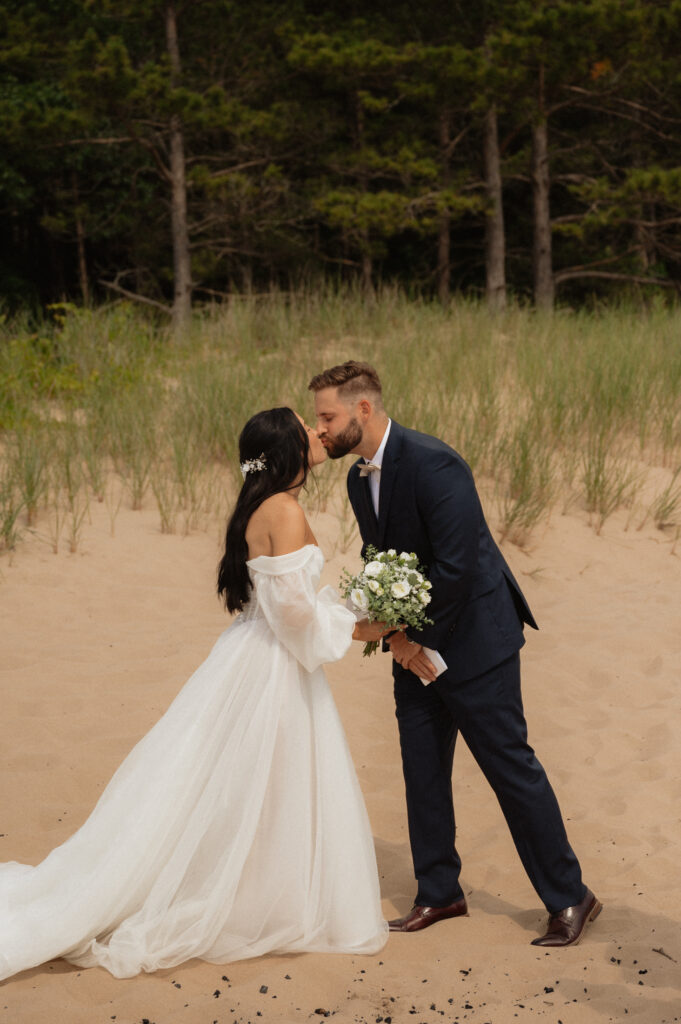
(375,486)
(377,460)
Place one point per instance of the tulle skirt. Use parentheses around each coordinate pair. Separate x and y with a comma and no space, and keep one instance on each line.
(235,827)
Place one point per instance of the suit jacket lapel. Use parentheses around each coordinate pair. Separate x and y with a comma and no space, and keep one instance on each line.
(366,516)
(391,458)
(365,491)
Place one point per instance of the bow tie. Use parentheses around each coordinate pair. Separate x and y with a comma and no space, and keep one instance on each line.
(369,468)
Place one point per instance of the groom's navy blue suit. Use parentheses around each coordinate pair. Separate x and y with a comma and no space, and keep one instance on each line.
(428,504)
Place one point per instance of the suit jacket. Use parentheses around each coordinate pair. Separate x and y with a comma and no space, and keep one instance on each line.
(428,504)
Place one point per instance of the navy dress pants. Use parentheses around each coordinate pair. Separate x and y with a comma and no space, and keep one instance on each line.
(488,712)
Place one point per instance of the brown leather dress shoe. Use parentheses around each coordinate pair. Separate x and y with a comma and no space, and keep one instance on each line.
(423,917)
(565,928)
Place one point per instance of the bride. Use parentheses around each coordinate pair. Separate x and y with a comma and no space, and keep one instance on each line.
(236,826)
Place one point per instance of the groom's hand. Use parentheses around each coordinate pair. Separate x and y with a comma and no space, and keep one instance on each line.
(411,656)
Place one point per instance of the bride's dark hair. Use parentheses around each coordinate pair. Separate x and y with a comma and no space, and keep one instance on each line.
(279,436)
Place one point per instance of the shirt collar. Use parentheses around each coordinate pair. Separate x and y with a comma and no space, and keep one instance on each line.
(377,459)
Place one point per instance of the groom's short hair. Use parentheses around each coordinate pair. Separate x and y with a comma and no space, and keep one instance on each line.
(352,380)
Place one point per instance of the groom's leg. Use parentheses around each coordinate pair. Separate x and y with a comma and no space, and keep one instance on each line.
(427,738)
(491,719)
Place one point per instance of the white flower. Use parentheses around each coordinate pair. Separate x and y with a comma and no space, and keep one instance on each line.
(372,568)
(390,588)
(400,589)
(253,465)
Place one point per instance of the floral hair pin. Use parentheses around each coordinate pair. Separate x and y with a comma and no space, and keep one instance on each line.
(253,465)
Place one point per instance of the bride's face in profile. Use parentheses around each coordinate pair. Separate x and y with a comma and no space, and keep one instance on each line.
(317,453)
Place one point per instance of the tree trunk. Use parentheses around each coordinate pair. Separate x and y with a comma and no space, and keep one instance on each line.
(445,220)
(495,243)
(543,269)
(367,268)
(366,261)
(80,242)
(182,283)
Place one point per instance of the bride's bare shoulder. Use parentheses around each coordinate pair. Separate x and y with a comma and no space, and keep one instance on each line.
(277,527)
(280,506)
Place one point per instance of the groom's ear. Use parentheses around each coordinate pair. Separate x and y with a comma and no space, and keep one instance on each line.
(365,408)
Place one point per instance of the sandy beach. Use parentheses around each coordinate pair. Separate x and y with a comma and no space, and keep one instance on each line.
(94,646)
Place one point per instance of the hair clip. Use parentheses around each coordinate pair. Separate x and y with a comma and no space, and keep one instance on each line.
(253,465)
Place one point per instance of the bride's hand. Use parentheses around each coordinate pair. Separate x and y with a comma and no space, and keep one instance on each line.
(370,632)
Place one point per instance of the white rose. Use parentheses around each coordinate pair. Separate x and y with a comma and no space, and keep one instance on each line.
(424,598)
(400,589)
(405,557)
(391,553)
(372,568)
(375,586)
(359,599)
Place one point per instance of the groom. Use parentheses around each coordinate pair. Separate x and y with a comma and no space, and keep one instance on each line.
(414,493)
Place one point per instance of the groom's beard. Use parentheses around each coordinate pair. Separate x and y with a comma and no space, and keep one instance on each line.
(344,442)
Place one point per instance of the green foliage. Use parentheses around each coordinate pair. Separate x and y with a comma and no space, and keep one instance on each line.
(564,410)
(334,136)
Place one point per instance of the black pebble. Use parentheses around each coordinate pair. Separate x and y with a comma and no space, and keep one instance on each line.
(263,989)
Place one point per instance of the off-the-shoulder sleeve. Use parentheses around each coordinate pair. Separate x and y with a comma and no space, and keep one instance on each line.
(313,625)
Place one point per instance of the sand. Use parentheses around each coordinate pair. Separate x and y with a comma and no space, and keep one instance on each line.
(94,645)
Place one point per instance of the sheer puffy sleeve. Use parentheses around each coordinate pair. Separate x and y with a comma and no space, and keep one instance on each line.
(313,625)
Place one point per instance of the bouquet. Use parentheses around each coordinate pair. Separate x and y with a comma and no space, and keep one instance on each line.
(391,588)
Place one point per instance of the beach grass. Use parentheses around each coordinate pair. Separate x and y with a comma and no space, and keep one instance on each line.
(551,412)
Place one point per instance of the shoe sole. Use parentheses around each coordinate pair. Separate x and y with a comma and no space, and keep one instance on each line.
(426,924)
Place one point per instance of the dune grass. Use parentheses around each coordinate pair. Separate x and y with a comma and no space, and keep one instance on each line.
(551,412)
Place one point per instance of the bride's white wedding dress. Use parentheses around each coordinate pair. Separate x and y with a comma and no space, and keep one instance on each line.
(236,827)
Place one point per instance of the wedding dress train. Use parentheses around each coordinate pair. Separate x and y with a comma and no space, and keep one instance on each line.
(235,827)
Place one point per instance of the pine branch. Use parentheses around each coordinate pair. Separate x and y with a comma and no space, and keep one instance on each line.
(115,287)
(611,275)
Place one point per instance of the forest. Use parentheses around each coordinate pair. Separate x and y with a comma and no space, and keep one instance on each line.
(179,153)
